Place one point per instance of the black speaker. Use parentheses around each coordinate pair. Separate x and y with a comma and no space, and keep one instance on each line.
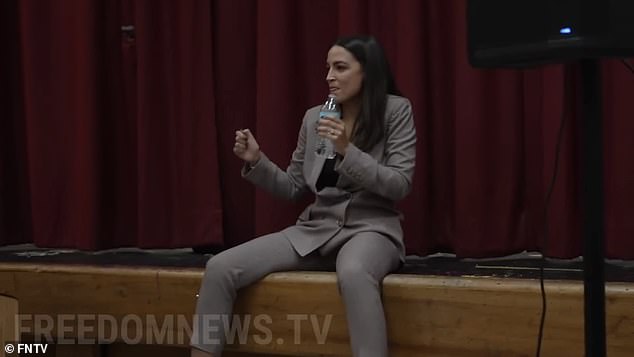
(518,33)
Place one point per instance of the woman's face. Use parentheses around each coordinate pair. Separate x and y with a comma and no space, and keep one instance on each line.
(345,74)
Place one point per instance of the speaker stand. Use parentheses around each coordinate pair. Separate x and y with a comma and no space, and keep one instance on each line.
(592,203)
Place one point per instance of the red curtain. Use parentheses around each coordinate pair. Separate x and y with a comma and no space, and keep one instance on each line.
(15,223)
(119,134)
(122,136)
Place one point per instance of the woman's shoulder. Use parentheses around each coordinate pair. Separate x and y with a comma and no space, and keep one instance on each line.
(312,113)
(314,110)
(397,104)
(396,101)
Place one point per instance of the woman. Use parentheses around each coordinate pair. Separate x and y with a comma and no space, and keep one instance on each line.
(352,221)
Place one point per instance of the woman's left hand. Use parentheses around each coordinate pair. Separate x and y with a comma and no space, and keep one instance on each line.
(335,130)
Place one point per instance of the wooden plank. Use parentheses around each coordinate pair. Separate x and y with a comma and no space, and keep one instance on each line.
(122,350)
(125,350)
(8,330)
(427,315)
(77,351)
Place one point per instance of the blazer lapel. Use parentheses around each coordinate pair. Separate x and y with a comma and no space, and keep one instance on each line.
(318,164)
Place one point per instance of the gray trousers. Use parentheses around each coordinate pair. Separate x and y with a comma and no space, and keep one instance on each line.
(361,264)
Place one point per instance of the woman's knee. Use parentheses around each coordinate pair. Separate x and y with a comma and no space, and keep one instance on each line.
(218,267)
(354,273)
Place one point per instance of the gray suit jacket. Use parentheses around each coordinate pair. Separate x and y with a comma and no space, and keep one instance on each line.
(369,184)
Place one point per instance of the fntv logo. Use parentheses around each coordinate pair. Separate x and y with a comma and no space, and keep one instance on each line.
(32,348)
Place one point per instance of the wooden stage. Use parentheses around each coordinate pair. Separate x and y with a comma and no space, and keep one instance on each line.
(140,303)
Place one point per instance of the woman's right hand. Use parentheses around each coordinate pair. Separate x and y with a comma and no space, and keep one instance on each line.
(246,147)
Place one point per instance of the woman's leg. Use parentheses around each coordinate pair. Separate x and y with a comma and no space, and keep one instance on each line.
(231,270)
(362,263)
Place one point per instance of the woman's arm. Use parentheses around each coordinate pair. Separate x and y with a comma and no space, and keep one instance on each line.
(289,184)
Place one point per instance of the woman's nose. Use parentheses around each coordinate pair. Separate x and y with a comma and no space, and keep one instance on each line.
(329,76)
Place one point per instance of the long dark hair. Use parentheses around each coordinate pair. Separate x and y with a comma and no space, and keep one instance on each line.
(378,82)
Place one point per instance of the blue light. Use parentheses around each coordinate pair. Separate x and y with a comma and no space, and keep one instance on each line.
(565,31)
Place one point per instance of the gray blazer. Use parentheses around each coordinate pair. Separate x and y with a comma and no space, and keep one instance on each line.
(364,198)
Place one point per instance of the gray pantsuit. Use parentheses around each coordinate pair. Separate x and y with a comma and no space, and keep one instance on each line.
(353,225)
(361,264)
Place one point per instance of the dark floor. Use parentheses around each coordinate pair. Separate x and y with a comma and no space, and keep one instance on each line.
(523,265)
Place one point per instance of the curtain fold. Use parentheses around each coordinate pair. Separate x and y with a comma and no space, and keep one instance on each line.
(120,133)
(15,217)
(179,197)
(119,119)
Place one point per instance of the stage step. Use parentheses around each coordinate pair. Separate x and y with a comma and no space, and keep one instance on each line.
(301,314)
